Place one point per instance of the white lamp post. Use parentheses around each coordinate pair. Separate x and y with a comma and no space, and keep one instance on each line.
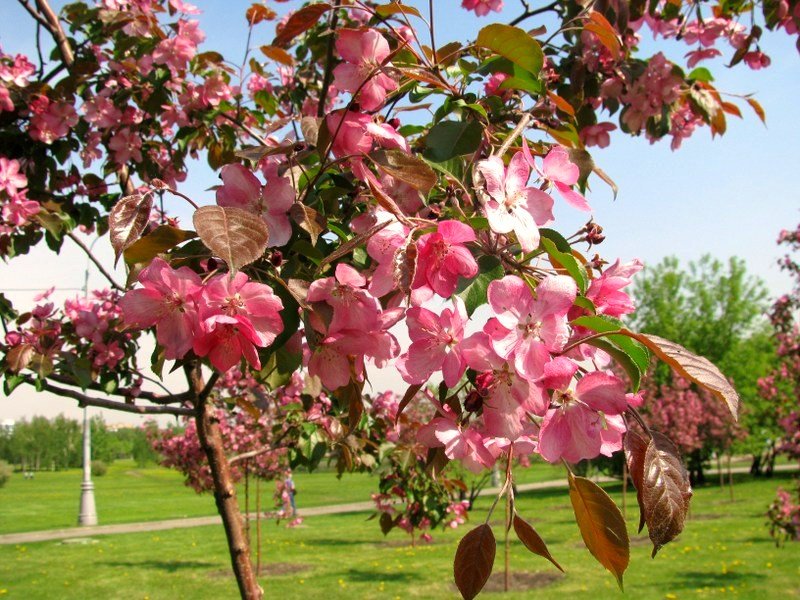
(87,514)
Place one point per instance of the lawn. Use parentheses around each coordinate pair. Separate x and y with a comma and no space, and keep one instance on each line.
(127,494)
(725,551)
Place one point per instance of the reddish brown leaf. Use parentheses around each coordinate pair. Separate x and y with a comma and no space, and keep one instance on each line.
(561,104)
(309,220)
(407,397)
(393,8)
(759,110)
(127,220)
(235,235)
(386,202)
(666,491)
(300,21)
(605,32)
(692,367)
(731,109)
(474,561)
(258,12)
(387,523)
(278,55)
(601,524)
(532,540)
(405,266)
(422,75)
(407,168)
(19,357)
(635,448)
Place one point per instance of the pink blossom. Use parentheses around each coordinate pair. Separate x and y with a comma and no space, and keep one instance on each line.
(126,145)
(510,206)
(434,344)
(166,300)
(507,395)
(18,72)
(364,52)
(573,428)
(482,7)
(101,112)
(492,85)
(6,103)
(606,291)
(19,210)
(242,189)
(757,60)
(51,120)
(236,315)
(527,329)
(464,444)
(597,135)
(695,56)
(354,133)
(12,179)
(353,307)
(558,169)
(442,257)
(215,90)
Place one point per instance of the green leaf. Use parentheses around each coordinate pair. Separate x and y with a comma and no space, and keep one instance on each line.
(514,44)
(701,74)
(473,291)
(449,139)
(163,238)
(567,261)
(633,357)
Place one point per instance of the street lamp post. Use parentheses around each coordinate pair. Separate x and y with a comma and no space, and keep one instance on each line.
(87,513)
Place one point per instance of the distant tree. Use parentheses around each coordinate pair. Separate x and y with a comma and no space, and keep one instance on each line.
(717,310)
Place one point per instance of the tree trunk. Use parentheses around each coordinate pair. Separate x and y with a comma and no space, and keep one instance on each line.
(258,526)
(227,505)
(730,475)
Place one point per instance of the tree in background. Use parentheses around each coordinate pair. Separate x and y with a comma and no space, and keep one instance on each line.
(714,309)
(781,388)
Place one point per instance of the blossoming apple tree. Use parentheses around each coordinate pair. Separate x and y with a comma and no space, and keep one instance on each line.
(344,216)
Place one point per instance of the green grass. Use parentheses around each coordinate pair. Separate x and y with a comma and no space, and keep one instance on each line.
(725,551)
(127,494)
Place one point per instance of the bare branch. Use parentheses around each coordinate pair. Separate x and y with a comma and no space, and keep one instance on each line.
(128,393)
(96,262)
(84,400)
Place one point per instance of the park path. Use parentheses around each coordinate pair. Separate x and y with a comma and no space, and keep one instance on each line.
(333,509)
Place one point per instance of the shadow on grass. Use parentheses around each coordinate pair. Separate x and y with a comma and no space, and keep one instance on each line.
(169,566)
(701,579)
(363,576)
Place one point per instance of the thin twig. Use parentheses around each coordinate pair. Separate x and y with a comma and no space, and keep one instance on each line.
(96,262)
(531,13)
(326,78)
(523,123)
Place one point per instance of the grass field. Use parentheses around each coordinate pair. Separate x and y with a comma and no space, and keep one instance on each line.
(127,494)
(724,551)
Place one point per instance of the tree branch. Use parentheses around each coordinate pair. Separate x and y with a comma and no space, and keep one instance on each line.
(326,79)
(54,27)
(84,400)
(531,13)
(127,392)
(96,262)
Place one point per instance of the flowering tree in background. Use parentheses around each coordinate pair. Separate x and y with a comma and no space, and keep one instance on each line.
(782,388)
(343,217)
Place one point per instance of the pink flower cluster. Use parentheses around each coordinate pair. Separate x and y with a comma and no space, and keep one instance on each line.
(16,209)
(224,318)
(351,326)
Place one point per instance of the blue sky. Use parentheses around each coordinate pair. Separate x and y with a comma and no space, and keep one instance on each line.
(727,197)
